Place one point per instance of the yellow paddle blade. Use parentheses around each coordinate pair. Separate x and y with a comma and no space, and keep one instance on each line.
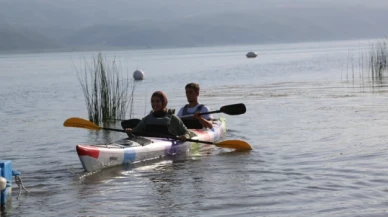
(235,144)
(81,123)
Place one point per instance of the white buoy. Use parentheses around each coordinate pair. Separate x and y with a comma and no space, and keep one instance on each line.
(3,183)
(251,54)
(138,75)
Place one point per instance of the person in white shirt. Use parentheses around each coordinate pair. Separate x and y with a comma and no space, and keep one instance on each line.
(192,110)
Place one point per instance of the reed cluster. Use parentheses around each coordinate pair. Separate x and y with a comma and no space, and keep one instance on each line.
(378,59)
(108,93)
(369,68)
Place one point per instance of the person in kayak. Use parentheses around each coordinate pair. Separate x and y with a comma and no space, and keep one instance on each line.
(194,108)
(159,121)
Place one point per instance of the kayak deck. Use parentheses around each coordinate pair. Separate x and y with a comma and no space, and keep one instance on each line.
(138,149)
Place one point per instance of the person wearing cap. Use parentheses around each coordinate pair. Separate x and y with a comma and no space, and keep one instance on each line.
(159,121)
(191,113)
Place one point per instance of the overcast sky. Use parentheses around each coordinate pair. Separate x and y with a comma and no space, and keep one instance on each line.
(149,23)
(88,12)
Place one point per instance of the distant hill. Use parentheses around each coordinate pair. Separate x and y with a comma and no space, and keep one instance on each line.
(272,25)
(12,39)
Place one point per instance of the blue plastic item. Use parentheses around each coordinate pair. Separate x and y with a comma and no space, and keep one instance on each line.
(6,172)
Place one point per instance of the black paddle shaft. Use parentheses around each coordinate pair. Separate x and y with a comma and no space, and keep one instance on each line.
(160,136)
(112,129)
(199,141)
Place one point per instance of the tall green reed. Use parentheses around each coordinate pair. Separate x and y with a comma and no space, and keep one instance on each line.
(370,66)
(108,93)
(378,59)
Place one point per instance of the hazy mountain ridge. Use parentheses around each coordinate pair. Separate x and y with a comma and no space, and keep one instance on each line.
(119,23)
(13,40)
(234,28)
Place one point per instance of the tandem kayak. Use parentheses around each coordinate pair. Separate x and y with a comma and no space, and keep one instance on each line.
(140,149)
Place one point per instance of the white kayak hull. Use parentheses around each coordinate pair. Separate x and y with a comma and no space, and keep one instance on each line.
(128,151)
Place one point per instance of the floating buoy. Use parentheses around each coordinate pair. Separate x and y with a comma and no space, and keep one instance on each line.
(138,75)
(251,54)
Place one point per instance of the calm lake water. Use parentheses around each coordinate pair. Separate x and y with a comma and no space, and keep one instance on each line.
(318,127)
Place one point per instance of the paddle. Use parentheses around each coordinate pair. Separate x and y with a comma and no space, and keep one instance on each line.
(82,123)
(234,109)
(131,123)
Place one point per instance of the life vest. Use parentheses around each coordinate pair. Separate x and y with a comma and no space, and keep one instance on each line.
(132,123)
(158,125)
(191,122)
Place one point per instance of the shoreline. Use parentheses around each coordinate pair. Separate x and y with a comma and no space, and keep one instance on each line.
(101,49)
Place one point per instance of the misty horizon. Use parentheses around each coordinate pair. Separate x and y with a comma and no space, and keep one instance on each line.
(60,24)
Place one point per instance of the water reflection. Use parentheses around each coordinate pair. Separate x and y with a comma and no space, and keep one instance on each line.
(157,183)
